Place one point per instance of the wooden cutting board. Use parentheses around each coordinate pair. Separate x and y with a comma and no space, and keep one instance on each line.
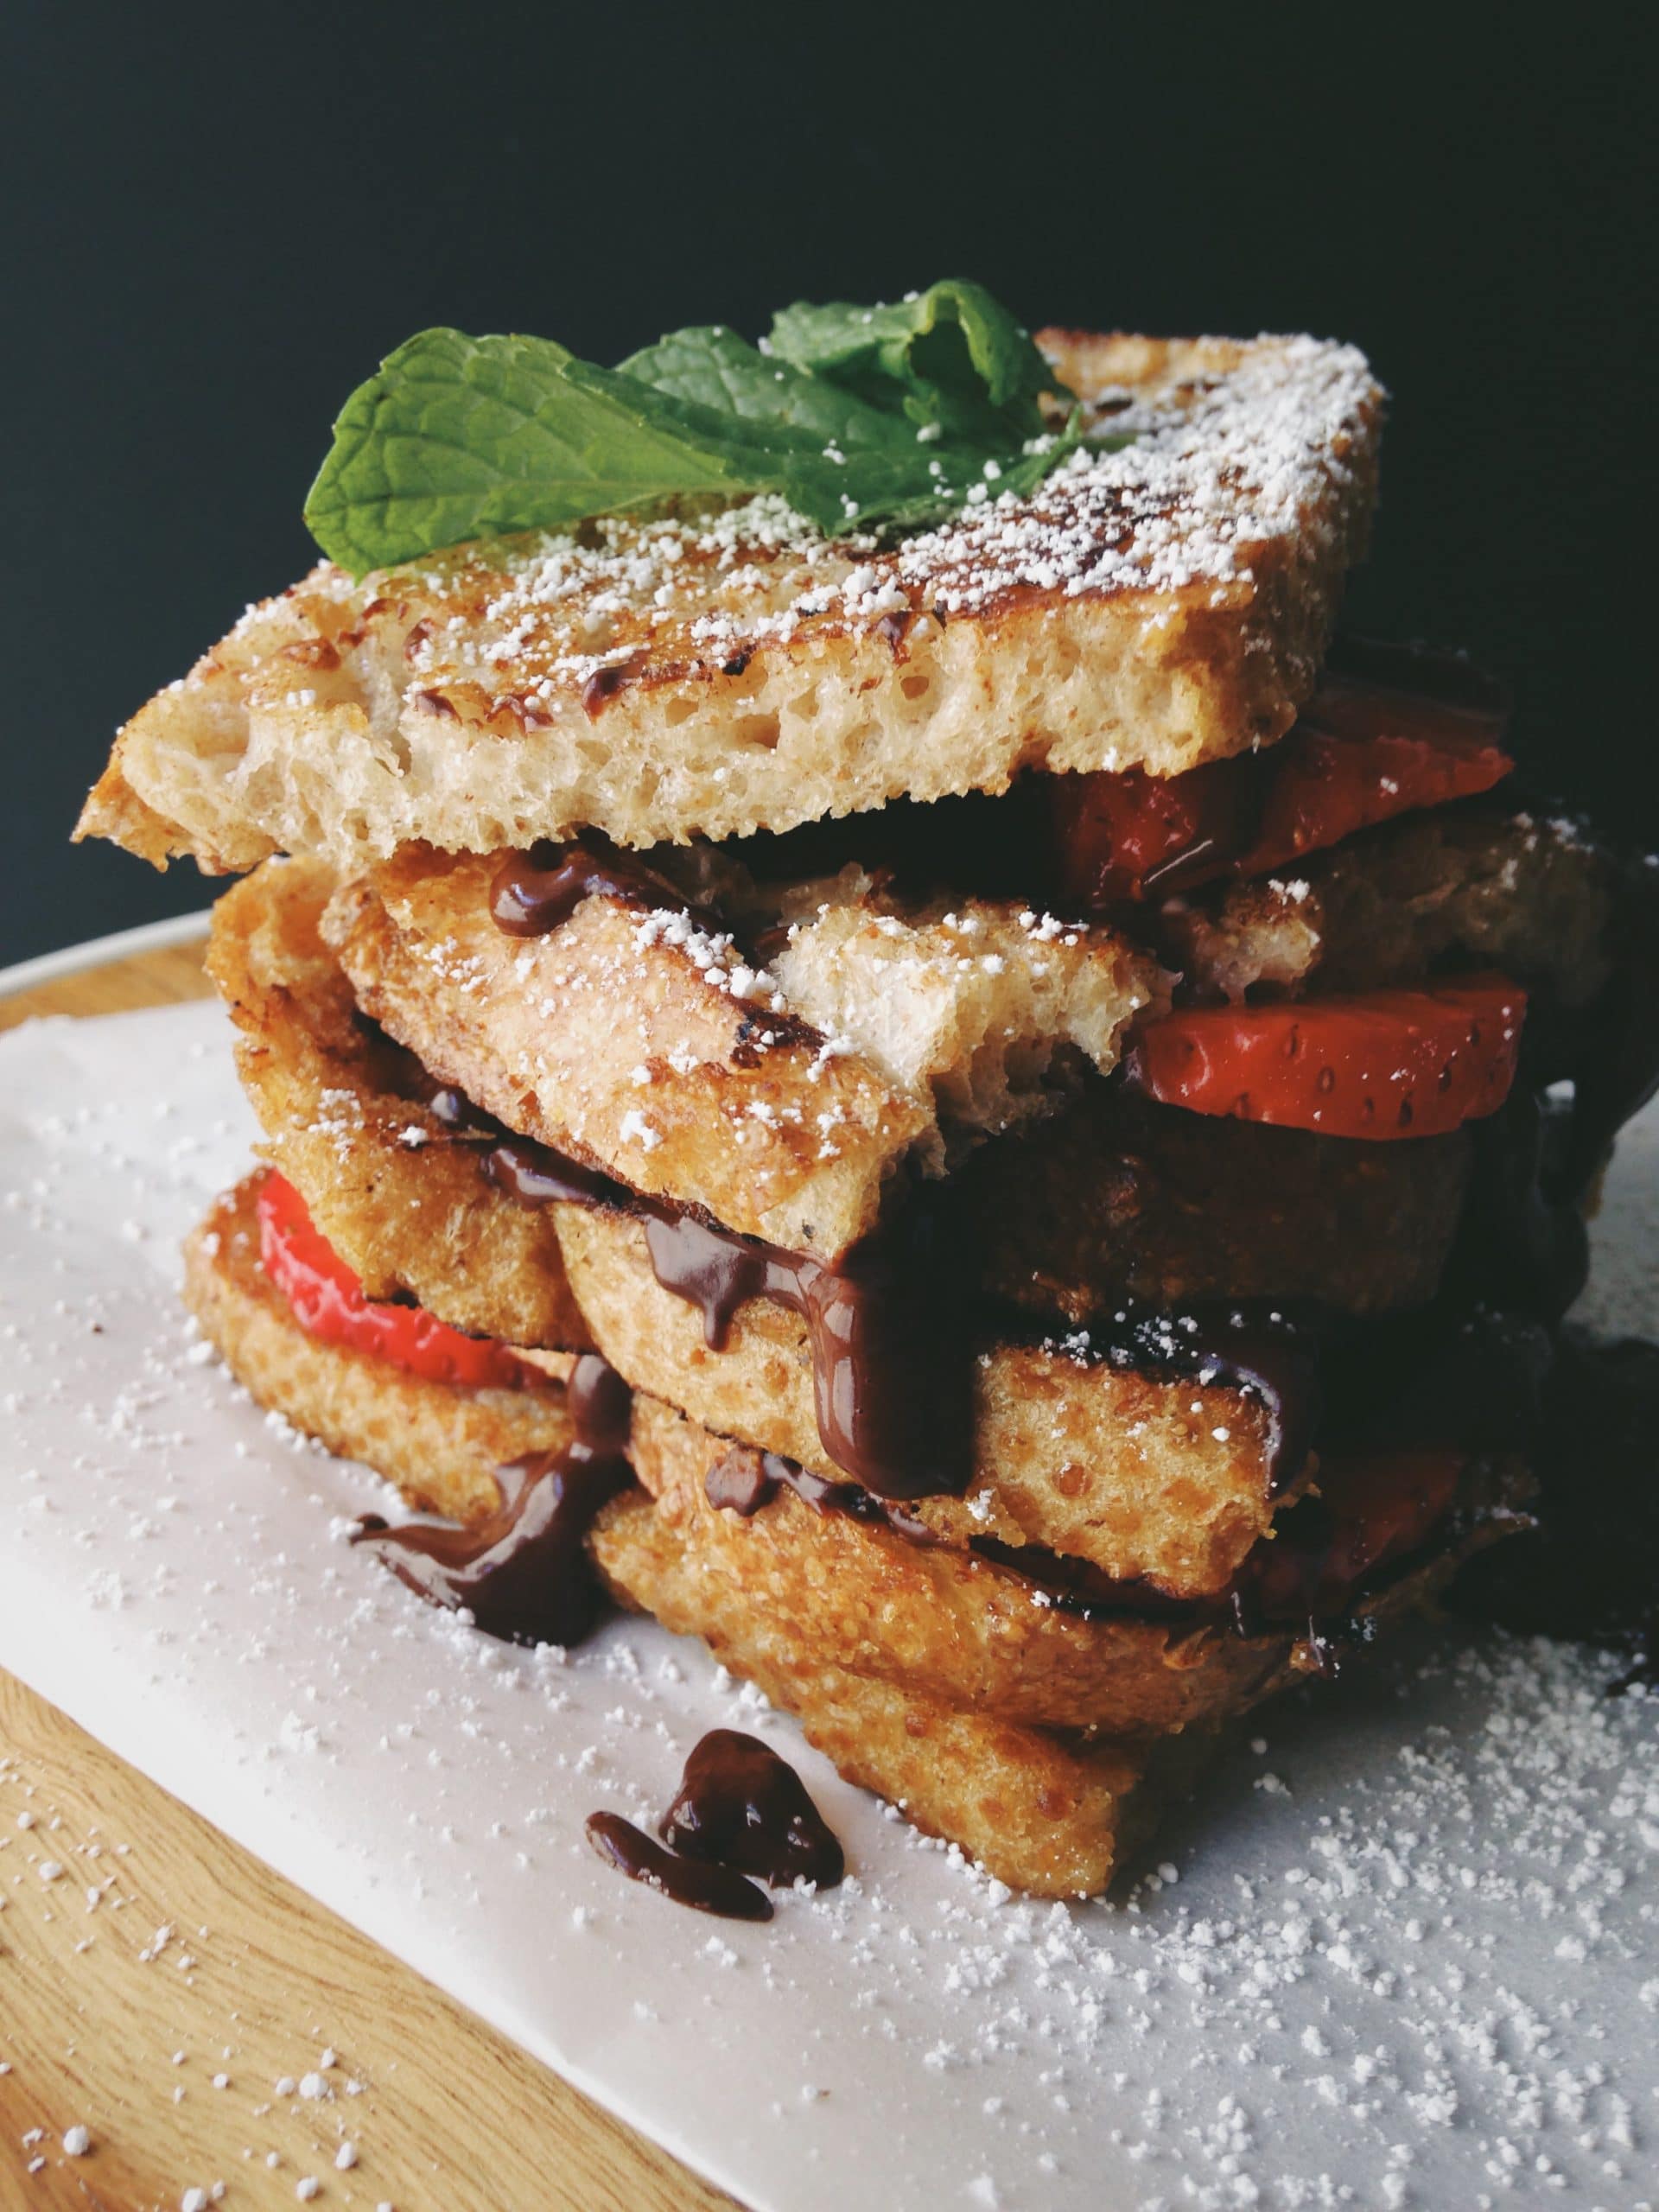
(108,2023)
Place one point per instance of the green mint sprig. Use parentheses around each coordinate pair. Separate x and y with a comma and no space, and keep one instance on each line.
(861,419)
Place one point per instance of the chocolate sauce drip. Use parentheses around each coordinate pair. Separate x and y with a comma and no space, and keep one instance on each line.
(888,1333)
(523,1572)
(888,1339)
(696,1881)
(600,1403)
(742,1482)
(532,892)
(537,1176)
(746,1480)
(739,1805)
(717,1271)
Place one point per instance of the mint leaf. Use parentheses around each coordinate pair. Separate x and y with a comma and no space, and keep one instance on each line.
(951,355)
(841,461)
(458,438)
(861,419)
(710,366)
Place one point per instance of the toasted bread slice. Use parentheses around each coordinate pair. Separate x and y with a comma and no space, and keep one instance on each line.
(1127,1468)
(1154,607)
(639,1042)
(940,1619)
(399,1197)
(1119,1198)
(1034,1810)
(1055,1815)
(439,1444)
(952,1625)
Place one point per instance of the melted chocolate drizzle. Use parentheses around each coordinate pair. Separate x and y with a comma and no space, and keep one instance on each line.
(705,1886)
(889,1340)
(746,1480)
(739,1805)
(532,892)
(538,1177)
(523,1572)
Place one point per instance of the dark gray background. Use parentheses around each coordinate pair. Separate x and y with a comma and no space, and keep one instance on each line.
(222,217)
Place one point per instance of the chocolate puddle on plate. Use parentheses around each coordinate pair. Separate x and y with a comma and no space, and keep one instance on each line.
(740,1810)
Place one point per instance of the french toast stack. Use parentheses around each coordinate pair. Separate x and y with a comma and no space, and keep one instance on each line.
(1042,1071)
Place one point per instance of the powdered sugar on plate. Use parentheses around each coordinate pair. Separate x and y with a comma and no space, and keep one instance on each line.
(1399,1951)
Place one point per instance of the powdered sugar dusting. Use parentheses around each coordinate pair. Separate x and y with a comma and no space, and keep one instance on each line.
(1249,446)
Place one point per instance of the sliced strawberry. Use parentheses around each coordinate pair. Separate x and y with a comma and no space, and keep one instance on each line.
(1390,729)
(1130,836)
(329,1303)
(1379,1063)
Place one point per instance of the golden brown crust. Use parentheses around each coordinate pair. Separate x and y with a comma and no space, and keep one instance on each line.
(974,1633)
(940,1620)
(437,1443)
(608,1040)
(1123,1468)
(1033,1811)
(406,1205)
(1153,607)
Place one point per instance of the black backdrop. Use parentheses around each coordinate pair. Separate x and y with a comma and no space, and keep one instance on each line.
(222,217)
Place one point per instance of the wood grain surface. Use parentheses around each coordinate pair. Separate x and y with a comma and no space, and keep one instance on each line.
(197,1963)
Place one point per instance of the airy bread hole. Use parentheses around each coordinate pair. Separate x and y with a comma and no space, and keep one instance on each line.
(915,687)
(678,710)
(756,730)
